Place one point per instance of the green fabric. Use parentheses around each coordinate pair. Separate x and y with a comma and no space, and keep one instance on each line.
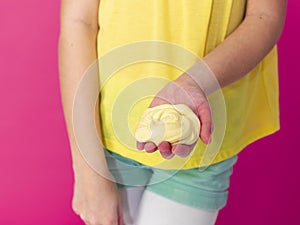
(205,188)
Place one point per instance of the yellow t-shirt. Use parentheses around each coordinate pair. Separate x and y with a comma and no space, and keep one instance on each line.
(135,62)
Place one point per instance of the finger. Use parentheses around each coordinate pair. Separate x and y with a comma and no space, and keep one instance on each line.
(205,115)
(150,147)
(120,215)
(167,155)
(121,221)
(140,145)
(182,150)
(165,149)
(165,146)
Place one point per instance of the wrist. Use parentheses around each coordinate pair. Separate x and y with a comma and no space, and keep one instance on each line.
(82,169)
(85,173)
(204,77)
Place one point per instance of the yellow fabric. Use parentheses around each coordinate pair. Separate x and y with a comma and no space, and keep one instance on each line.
(199,26)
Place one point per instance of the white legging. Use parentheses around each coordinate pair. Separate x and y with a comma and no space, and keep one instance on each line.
(143,207)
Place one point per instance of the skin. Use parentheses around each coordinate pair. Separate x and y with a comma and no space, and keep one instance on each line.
(229,61)
(77,50)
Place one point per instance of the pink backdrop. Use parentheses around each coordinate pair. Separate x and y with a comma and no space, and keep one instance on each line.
(35,163)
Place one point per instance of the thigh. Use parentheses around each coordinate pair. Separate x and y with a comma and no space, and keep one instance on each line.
(199,188)
(131,178)
(158,210)
(130,199)
(127,172)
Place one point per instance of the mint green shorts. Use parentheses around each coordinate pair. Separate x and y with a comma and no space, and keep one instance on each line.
(204,189)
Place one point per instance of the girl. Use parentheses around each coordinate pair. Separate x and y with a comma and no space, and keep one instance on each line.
(236,42)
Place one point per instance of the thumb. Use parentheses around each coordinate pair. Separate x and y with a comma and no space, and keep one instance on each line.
(158,101)
(120,214)
(204,113)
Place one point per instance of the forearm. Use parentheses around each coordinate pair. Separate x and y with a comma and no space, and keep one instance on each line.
(77,51)
(242,50)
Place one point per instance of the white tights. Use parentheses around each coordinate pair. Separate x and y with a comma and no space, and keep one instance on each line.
(143,207)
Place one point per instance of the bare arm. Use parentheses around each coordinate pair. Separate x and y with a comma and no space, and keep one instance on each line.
(95,198)
(250,42)
(77,50)
(240,52)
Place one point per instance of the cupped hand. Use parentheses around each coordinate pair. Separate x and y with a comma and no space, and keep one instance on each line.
(184,90)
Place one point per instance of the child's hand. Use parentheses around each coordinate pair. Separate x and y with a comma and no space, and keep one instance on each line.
(183,90)
(96,199)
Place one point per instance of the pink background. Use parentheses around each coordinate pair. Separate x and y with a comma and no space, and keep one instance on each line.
(35,161)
